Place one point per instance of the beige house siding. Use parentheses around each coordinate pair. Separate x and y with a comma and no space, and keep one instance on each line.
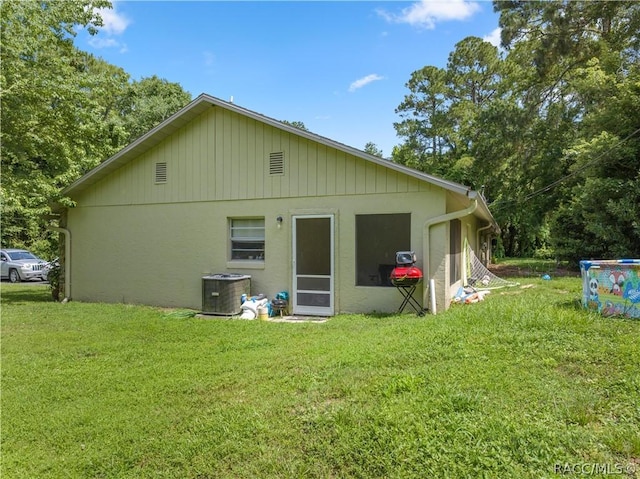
(222,155)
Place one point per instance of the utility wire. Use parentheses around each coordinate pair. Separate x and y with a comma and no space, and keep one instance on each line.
(564,178)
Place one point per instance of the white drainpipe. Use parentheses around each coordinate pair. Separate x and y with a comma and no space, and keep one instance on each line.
(426,234)
(67,260)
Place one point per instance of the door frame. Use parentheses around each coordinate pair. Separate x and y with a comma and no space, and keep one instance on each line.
(313,310)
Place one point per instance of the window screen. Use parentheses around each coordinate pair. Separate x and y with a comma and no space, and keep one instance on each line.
(378,237)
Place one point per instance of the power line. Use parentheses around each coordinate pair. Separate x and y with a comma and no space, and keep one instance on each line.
(566,177)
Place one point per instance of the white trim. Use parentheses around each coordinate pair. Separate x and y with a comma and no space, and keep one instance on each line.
(313,310)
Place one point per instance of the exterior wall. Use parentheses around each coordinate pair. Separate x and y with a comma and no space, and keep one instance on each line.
(222,156)
(157,254)
(439,237)
(136,241)
(438,265)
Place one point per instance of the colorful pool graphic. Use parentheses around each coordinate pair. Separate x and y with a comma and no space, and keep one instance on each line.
(611,287)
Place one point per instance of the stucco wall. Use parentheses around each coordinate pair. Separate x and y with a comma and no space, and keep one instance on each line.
(157,253)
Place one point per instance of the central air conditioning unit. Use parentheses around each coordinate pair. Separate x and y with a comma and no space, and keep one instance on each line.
(221,293)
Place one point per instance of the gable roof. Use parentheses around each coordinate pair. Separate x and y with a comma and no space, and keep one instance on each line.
(204,101)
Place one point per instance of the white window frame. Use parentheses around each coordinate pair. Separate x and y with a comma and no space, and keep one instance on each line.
(247,230)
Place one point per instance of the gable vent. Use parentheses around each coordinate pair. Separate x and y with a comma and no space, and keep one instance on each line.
(276,163)
(161,172)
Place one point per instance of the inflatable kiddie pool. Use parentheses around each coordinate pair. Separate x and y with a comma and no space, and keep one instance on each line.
(611,287)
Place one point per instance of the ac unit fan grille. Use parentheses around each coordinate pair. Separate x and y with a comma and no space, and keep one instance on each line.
(221,293)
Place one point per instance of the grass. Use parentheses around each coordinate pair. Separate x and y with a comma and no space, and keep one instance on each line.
(519,386)
(537,266)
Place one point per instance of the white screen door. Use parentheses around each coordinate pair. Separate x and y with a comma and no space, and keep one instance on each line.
(313,265)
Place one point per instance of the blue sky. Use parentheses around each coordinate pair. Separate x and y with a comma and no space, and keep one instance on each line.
(339,67)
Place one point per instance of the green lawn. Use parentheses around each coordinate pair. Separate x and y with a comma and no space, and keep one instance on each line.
(535,266)
(523,385)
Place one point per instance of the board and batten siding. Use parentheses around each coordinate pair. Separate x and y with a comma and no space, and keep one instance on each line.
(221,155)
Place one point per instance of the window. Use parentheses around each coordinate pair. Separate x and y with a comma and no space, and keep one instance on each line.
(455,249)
(20,255)
(378,237)
(247,239)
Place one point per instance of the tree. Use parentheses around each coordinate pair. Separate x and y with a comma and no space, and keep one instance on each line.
(440,112)
(46,114)
(297,124)
(63,111)
(569,32)
(585,56)
(425,124)
(373,149)
(600,216)
(473,76)
(150,101)
(532,125)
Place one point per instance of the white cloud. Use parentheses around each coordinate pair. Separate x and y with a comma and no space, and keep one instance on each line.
(364,81)
(427,13)
(209,62)
(98,43)
(493,37)
(209,58)
(113,22)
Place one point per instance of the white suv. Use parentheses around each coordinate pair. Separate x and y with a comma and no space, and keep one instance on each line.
(20,265)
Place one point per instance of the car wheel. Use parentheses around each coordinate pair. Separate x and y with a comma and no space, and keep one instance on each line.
(14,277)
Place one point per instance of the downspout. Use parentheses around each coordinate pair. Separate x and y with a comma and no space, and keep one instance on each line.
(67,260)
(426,234)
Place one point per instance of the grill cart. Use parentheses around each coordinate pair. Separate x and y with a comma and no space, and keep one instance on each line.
(405,277)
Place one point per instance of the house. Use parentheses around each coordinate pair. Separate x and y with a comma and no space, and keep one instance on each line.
(217,188)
